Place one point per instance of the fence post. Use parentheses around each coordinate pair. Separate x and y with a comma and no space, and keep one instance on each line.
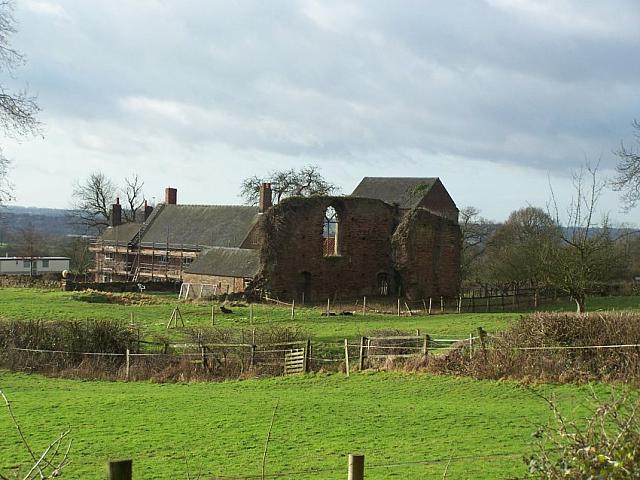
(362,340)
(293,309)
(441,304)
(346,356)
(425,345)
(213,315)
(128,364)
(430,299)
(398,306)
(328,306)
(483,342)
(470,346)
(203,357)
(307,356)
(356,467)
(120,470)
(253,356)
(364,305)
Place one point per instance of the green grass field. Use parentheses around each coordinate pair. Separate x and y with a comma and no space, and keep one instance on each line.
(22,303)
(413,421)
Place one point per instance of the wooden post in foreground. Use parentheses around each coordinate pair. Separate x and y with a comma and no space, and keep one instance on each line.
(328,306)
(362,340)
(398,306)
(356,467)
(346,356)
(120,470)
(213,315)
(293,309)
(364,305)
(128,364)
(307,357)
(425,345)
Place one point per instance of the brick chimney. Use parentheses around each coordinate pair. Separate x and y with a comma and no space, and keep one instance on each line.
(147,210)
(170,196)
(266,197)
(116,213)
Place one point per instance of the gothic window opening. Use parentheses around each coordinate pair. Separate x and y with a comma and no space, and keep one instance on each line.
(330,233)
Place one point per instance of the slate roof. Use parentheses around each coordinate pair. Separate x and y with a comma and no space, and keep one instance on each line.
(395,190)
(227,262)
(123,234)
(200,225)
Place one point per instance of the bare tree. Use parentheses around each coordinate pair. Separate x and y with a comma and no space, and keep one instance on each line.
(134,197)
(93,198)
(30,244)
(587,255)
(627,179)
(476,230)
(18,109)
(306,182)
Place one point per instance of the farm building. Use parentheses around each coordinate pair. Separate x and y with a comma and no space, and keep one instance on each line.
(33,265)
(390,236)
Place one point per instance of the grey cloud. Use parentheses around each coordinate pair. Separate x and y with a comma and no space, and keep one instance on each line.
(313,79)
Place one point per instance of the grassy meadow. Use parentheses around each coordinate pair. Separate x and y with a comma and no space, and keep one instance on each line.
(407,425)
(152,312)
(415,422)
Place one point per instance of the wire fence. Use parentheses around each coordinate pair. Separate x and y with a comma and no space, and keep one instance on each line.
(221,360)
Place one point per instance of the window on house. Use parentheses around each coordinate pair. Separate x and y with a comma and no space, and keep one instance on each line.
(187,261)
(330,233)
(163,259)
(45,263)
(26,263)
(383,284)
(108,256)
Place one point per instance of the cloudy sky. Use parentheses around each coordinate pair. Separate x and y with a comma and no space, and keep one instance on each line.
(493,96)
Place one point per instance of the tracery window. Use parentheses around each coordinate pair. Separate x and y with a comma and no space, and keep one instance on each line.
(330,233)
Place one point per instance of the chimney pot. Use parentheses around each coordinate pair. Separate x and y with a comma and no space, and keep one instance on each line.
(116,214)
(266,197)
(147,211)
(170,196)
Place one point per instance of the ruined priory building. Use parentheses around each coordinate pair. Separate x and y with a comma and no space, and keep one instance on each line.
(391,236)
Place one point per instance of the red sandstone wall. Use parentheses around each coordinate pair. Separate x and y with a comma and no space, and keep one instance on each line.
(438,200)
(294,245)
(428,253)
(225,284)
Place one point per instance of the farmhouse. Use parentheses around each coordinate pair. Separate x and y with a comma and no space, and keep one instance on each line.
(391,236)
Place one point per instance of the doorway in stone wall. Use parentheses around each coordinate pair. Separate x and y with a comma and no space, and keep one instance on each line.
(304,287)
(383,284)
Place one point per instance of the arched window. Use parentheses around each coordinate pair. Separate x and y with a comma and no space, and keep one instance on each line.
(330,232)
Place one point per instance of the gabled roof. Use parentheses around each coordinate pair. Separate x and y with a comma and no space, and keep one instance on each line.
(227,262)
(200,225)
(406,192)
(123,234)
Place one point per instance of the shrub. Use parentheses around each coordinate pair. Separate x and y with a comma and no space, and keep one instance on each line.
(561,358)
(607,445)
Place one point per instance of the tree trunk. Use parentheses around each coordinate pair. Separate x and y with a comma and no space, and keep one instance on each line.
(580,303)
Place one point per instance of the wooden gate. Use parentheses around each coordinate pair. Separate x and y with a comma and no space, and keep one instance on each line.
(295,361)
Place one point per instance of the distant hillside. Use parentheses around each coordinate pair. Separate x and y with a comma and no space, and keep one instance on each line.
(47,221)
